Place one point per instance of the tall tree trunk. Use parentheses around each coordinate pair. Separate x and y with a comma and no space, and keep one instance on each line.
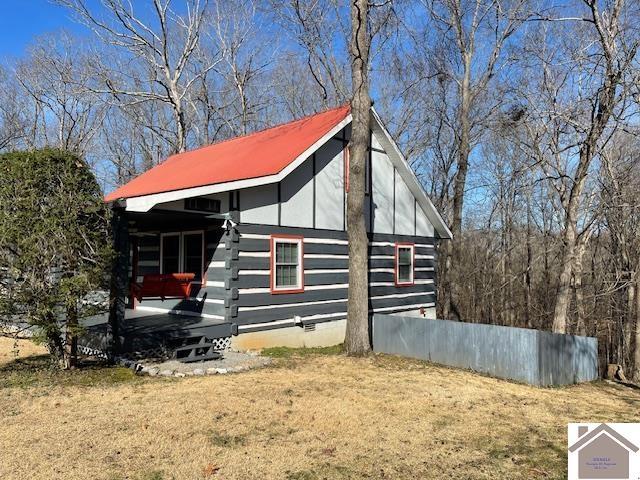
(181,129)
(444,276)
(527,271)
(503,293)
(569,235)
(357,336)
(578,289)
(607,25)
(628,333)
(567,260)
(464,149)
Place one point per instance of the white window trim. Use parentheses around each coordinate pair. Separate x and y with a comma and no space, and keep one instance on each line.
(181,250)
(398,282)
(299,241)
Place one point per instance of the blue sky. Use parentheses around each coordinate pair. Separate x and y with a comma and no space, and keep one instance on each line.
(22,20)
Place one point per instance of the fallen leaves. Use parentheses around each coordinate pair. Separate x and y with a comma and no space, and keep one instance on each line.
(210,470)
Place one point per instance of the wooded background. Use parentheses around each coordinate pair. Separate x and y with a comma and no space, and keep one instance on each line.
(519,117)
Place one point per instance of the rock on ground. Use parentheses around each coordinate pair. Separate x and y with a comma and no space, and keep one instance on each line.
(231,362)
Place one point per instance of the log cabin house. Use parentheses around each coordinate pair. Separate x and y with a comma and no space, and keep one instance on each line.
(244,241)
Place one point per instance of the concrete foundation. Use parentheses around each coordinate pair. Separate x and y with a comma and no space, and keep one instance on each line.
(324,335)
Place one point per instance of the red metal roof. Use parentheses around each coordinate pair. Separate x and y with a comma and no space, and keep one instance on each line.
(259,154)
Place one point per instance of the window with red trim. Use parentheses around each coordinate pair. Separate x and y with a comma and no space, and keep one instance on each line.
(404,264)
(287,265)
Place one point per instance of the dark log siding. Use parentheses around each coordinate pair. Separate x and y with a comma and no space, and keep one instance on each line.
(326,278)
(235,287)
(148,255)
(207,298)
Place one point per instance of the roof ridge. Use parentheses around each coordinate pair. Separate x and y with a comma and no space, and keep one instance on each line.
(245,135)
(602,428)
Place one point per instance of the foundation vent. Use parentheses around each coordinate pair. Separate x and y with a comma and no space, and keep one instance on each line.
(310,327)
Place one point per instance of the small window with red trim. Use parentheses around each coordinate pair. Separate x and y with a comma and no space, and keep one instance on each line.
(287,270)
(405,254)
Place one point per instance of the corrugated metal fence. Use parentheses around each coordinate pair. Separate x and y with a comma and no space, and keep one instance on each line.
(530,356)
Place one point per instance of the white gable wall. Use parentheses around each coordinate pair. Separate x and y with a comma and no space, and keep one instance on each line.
(405,208)
(375,143)
(301,194)
(329,205)
(423,225)
(382,188)
(296,196)
(259,205)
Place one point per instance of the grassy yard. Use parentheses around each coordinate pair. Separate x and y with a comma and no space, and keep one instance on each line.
(311,416)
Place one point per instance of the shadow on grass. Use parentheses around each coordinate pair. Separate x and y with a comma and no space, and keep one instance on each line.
(222,439)
(42,371)
(629,385)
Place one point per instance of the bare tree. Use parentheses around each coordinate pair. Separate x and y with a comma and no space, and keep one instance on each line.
(621,205)
(614,51)
(471,37)
(55,77)
(13,124)
(315,26)
(133,139)
(357,335)
(244,62)
(163,49)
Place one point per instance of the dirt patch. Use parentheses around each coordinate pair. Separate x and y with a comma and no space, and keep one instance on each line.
(306,417)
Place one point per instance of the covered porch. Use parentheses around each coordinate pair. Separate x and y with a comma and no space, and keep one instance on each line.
(168,282)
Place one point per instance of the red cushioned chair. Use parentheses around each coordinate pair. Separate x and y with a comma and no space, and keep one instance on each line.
(163,286)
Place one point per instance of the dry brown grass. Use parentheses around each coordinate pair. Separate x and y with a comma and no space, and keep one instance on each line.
(306,418)
(10,349)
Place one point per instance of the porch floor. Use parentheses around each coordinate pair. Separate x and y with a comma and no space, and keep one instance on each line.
(148,331)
